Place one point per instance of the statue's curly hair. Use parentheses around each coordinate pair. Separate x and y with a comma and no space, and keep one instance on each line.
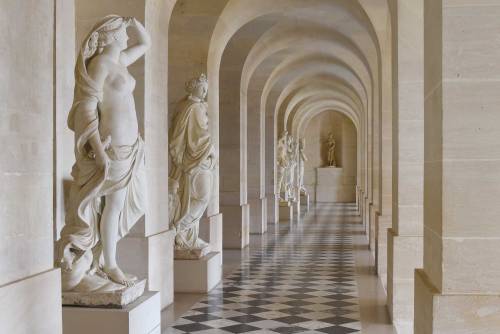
(195,82)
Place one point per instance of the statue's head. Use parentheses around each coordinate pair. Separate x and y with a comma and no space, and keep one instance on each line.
(110,32)
(198,87)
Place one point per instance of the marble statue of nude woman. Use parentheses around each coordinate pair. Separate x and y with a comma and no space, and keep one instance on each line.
(108,193)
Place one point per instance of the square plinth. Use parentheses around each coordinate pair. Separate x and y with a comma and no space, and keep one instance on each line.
(285,211)
(139,317)
(198,276)
(116,299)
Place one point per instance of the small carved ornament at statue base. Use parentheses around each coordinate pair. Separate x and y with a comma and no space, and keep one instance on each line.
(109,299)
(191,254)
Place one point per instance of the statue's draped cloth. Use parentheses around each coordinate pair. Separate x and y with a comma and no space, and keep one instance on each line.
(81,234)
(190,150)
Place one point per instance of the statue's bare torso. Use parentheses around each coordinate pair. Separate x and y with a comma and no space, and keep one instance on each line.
(118,118)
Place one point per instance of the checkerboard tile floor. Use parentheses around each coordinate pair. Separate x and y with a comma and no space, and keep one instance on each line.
(302,282)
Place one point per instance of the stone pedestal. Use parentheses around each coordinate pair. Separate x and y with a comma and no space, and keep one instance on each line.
(117,299)
(285,211)
(330,187)
(140,317)
(198,276)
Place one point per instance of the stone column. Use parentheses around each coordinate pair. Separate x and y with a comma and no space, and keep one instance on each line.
(256,162)
(270,170)
(458,291)
(384,221)
(405,239)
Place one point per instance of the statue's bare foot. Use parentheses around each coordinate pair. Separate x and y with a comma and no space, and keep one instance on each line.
(100,272)
(116,275)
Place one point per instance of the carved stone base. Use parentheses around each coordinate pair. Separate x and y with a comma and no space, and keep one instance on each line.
(286,211)
(191,254)
(141,317)
(198,276)
(112,299)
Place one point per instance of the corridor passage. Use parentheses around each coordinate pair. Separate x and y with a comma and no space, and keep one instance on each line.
(303,279)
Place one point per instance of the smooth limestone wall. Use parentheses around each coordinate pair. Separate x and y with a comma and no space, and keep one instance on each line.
(65,58)
(458,290)
(29,286)
(316,134)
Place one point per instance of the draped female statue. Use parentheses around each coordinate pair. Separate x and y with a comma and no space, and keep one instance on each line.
(108,193)
(282,163)
(331,151)
(292,164)
(193,160)
(302,161)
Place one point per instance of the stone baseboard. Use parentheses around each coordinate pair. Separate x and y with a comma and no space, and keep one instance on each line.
(140,317)
(453,314)
(32,304)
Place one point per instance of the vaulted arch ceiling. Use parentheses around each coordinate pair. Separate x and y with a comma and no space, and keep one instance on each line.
(347,24)
(300,21)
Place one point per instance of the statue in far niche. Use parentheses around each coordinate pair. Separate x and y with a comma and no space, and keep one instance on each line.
(193,161)
(302,161)
(282,163)
(331,151)
(108,193)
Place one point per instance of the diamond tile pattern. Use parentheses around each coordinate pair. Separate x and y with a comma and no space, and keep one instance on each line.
(302,281)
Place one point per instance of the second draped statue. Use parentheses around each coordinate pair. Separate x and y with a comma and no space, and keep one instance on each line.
(193,159)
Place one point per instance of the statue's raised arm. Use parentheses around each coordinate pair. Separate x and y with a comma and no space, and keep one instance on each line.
(136,51)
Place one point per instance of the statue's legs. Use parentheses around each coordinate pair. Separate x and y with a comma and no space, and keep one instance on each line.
(113,207)
(188,229)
